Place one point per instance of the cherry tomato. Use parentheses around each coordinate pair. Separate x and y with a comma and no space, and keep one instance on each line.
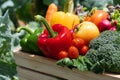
(78,42)
(84,50)
(73,52)
(62,54)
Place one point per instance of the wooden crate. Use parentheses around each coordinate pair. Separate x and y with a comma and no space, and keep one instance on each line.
(33,67)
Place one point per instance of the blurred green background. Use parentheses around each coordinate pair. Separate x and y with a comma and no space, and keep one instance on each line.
(25,10)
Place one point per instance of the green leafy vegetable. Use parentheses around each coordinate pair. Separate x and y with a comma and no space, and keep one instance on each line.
(115,16)
(81,63)
(13,6)
(65,62)
(7,62)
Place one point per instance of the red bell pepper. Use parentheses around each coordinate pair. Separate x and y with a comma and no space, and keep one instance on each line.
(53,40)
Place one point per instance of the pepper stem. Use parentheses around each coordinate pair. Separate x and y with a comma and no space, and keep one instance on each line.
(39,18)
(69,6)
(24,28)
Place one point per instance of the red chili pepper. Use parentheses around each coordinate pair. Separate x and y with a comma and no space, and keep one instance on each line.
(54,40)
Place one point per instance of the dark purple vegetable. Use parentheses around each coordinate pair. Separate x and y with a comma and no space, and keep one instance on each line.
(104,25)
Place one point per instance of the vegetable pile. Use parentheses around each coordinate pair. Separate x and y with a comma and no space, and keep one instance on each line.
(103,55)
(80,34)
(85,40)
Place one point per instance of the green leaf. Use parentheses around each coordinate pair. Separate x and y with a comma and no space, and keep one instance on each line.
(7,69)
(65,62)
(7,62)
(80,63)
(13,6)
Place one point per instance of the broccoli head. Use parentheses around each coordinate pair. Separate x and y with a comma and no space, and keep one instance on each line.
(106,37)
(104,52)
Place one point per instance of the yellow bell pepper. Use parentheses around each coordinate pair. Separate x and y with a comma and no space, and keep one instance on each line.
(67,19)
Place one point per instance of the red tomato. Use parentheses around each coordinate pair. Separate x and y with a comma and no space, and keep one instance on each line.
(84,50)
(73,52)
(62,54)
(78,42)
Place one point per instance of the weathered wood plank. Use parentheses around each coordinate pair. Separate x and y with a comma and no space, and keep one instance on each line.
(27,74)
(49,68)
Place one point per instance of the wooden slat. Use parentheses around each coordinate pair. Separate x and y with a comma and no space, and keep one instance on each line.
(26,74)
(48,67)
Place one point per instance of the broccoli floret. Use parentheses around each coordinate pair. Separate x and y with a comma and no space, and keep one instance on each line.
(104,52)
(106,37)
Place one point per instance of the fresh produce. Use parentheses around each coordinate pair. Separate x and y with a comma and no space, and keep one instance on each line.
(73,52)
(23,43)
(65,62)
(97,16)
(54,39)
(104,52)
(81,63)
(29,41)
(103,55)
(7,62)
(115,16)
(84,50)
(104,25)
(52,8)
(66,19)
(78,42)
(86,31)
(62,54)
(80,45)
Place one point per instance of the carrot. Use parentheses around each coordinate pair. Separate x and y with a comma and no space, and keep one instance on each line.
(52,8)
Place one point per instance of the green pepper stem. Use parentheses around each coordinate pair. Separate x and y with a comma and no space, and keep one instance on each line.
(39,18)
(69,6)
(24,28)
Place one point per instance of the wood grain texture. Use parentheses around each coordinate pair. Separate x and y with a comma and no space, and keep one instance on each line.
(27,74)
(33,67)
